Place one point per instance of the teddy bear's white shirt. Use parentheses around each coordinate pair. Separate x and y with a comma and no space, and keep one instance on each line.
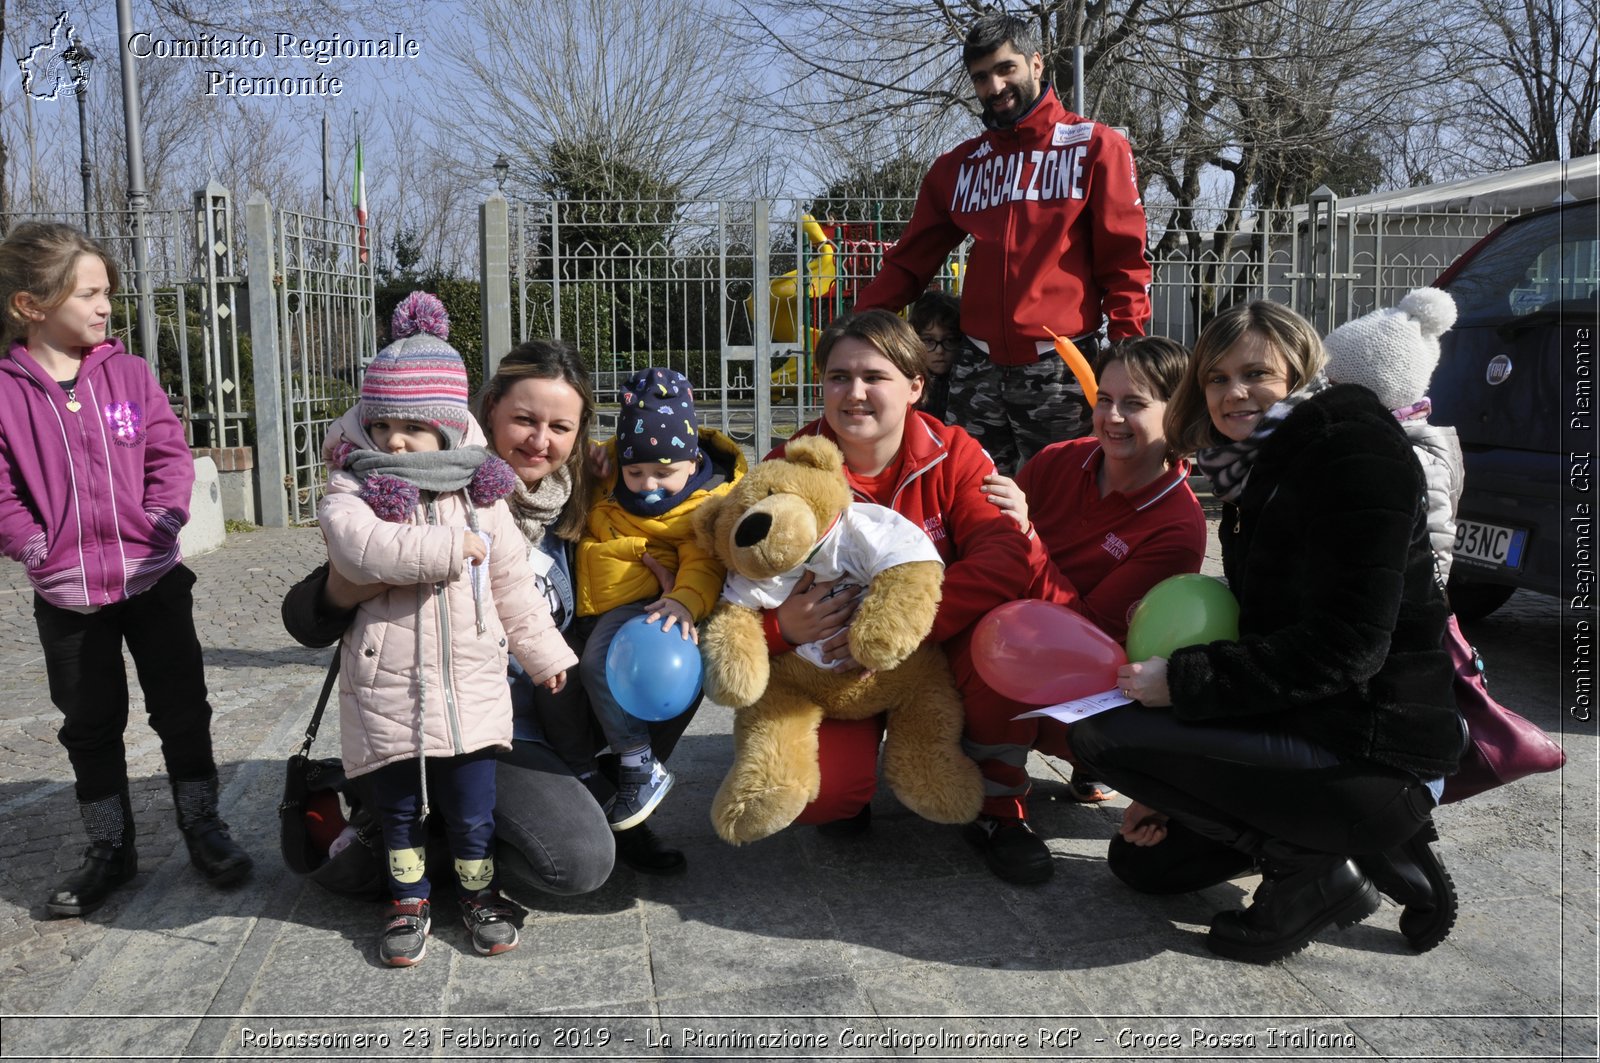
(865,540)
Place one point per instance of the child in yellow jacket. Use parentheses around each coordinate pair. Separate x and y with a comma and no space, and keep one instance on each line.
(666,467)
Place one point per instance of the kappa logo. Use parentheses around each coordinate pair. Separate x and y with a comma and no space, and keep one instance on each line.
(983,149)
(1076,133)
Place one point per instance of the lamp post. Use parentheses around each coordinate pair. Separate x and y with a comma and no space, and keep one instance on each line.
(502,166)
(81,60)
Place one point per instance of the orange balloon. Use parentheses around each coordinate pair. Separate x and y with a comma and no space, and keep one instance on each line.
(1079,365)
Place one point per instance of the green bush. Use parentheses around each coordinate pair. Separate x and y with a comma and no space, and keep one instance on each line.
(462,301)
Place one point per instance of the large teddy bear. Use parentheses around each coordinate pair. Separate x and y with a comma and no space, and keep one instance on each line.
(786,517)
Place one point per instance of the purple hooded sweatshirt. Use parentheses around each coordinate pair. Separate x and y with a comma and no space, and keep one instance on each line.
(92,500)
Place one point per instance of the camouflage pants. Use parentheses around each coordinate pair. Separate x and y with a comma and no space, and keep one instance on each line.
(1015,411)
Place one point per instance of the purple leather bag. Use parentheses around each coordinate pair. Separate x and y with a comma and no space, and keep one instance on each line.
(1503,746)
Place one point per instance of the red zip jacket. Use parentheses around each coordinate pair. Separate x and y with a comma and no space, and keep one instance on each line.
(1104,554)
(1058,230)
(987,559)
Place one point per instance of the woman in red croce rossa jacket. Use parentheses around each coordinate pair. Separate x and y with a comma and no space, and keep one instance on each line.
(873,370)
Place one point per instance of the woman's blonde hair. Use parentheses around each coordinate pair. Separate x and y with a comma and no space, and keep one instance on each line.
(1188,423)
(549,360)
(40,259)
(895,340)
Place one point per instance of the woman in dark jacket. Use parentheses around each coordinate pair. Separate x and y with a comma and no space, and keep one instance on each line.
(1315,745)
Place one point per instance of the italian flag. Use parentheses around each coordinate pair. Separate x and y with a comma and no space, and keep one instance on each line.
(358,198)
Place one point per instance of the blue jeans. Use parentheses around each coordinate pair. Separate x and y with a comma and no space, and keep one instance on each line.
(552,835)
(623,732)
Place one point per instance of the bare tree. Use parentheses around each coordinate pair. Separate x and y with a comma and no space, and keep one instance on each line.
(1530,73)
(649,87)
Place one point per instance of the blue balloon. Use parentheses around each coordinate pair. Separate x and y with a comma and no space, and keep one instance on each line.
(653,674)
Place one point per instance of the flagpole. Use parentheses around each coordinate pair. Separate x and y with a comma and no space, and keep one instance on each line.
(327,191)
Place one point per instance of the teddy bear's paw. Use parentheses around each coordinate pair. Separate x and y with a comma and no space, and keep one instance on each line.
(943,786)
(741,816)
(735,684)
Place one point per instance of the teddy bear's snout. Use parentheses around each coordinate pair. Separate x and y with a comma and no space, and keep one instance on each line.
(752,529)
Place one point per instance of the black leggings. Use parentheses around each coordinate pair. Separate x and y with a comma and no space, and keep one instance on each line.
(1256,793)
(89,683)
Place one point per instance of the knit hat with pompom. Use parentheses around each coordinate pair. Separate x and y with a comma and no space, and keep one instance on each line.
(1392,353)
(418,377)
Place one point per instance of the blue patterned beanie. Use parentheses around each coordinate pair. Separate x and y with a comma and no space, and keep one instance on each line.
(657,422)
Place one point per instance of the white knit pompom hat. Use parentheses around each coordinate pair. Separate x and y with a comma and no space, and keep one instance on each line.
(1392,352)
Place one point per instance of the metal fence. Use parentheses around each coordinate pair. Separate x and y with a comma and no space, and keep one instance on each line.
(733,294)
(180,312)
(1328,262)
(327,334)
(634,284)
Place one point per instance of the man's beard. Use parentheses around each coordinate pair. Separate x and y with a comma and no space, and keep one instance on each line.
(1027,94)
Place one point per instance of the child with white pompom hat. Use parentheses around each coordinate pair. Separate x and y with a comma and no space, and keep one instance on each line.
(1393,353)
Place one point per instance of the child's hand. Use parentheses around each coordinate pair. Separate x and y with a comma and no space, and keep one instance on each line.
(667,579)
(473,549)
(599,462)
(1007,497)
(676,613)
(556,683)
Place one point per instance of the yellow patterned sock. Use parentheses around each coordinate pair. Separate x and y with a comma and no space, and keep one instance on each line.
(475,875)
(407,865)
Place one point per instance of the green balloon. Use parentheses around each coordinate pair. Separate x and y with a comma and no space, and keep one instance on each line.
(1187,610)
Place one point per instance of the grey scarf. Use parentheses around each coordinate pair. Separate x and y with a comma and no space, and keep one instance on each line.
(435,470)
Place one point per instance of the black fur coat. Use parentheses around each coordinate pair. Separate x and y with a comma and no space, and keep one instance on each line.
(1341,620)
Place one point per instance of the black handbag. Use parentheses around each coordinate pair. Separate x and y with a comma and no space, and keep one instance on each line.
(311,815)
(307,785)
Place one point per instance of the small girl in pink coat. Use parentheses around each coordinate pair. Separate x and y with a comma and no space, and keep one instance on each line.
(422,691)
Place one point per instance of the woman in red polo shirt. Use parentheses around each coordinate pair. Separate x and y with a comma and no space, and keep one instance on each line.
(1111,513)
(873,371)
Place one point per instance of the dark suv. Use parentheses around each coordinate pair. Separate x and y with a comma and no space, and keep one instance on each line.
(1519,357)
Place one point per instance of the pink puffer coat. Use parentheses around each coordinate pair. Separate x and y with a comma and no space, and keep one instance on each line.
(454,693)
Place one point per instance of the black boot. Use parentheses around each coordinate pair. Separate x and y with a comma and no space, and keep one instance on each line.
(1413,875)
(1294,902)
(211,848)
(109,862)
(1013,852)
(641,850)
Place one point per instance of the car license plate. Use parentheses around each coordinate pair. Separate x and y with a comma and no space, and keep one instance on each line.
(1490,543)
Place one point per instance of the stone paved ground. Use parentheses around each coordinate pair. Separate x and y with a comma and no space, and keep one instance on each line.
(255,672)
(895,935)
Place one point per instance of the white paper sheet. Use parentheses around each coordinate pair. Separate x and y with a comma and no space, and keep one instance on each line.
(1082,708)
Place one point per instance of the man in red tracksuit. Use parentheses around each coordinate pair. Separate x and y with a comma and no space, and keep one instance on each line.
(1052,203)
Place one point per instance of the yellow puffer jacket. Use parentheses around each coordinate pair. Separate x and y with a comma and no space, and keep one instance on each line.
(610,572)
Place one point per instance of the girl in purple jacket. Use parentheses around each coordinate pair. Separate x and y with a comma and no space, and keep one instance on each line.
(95,477)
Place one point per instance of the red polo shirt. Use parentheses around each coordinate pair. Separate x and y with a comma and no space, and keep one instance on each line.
(1100,555)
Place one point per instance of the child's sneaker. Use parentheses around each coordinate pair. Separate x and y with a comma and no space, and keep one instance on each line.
(488,920)
(639,791)
(405,932)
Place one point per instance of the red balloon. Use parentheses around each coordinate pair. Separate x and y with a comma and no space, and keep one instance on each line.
(1041,653)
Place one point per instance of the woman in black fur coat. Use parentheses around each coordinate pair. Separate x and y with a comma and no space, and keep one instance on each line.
(1313,747)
